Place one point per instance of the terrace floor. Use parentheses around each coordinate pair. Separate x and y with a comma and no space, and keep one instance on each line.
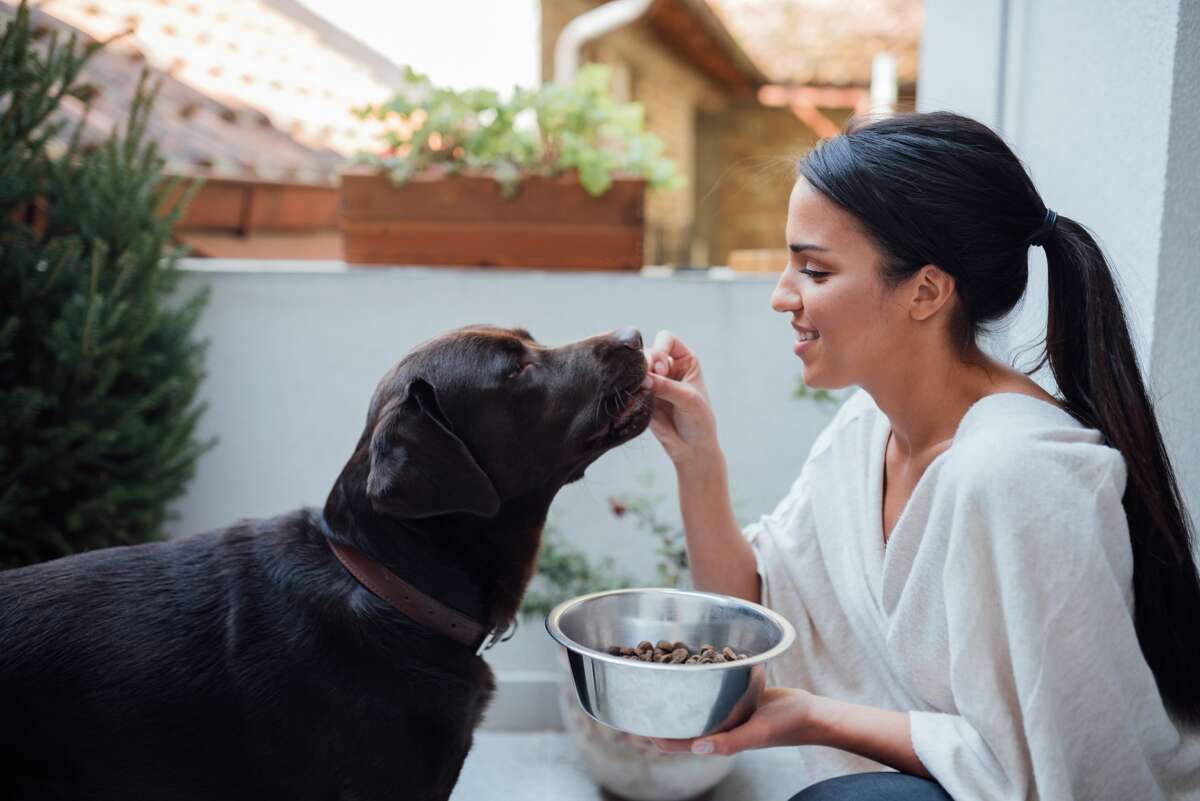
(542,766)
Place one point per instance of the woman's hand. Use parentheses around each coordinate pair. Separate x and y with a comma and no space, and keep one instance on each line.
(683,419)
(782,718)
(789,716)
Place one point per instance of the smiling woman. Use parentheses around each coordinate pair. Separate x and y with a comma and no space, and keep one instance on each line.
(990,577)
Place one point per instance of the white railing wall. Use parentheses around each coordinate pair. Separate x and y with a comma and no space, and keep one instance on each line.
(296,349)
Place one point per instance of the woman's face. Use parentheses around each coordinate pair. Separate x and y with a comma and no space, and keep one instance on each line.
(849,328)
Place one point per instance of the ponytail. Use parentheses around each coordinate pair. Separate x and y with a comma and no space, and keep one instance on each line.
(1093,362)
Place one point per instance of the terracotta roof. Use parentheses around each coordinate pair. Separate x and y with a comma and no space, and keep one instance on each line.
(691,28)
(196,134)
(254,63)
(825,42)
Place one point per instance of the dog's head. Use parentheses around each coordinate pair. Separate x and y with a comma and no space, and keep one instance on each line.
(482,415)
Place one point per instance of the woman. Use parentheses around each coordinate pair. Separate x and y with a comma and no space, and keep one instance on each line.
(993,588)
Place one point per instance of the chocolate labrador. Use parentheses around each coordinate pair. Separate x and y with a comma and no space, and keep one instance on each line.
(253,662)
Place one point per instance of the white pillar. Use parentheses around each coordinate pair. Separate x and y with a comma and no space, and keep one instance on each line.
(1175,349)
(884,90)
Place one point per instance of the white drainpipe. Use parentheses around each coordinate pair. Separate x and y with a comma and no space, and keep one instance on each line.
(588,26)
(884,91)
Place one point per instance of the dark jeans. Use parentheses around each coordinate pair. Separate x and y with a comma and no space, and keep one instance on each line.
(874,787)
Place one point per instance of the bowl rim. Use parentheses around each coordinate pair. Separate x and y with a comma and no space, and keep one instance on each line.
(554,629)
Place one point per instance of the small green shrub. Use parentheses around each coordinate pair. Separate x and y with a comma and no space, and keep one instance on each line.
(544,131)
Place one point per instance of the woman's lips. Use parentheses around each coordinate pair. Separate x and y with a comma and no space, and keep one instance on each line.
(806,338)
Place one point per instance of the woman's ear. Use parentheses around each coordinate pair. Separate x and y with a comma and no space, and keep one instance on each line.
(931,289)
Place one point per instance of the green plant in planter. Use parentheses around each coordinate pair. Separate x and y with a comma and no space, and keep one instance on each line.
(544,131)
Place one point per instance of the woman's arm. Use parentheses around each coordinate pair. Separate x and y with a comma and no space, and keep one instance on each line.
(883,735)
(790,717)
(719,558)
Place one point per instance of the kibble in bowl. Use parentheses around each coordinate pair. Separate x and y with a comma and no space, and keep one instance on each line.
(672,697)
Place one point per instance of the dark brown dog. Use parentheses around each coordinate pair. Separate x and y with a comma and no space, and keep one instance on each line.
(246,663)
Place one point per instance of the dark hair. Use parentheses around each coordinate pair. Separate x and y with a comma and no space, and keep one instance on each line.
(942,189)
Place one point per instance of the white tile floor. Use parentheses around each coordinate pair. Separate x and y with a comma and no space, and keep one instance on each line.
(542,766)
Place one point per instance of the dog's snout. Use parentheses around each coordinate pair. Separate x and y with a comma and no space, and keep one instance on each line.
(630,338)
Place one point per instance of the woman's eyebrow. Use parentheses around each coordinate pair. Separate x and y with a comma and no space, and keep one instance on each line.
(802,246)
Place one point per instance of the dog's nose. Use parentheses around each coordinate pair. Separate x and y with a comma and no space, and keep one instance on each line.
(630,338)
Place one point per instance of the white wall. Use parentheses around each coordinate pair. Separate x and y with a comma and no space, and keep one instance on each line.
(296,351)
(1100,99)
(1176,347)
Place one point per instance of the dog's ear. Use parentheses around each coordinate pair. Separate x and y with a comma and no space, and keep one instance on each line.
(419,468)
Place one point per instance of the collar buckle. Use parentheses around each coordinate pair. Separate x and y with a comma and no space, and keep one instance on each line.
(497,635)
(488,641)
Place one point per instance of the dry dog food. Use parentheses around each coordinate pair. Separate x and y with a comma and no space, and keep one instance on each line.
(676,653)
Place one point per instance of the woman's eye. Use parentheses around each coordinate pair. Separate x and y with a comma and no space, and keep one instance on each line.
(814,274)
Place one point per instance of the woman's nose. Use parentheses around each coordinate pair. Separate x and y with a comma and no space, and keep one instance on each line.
(786,297)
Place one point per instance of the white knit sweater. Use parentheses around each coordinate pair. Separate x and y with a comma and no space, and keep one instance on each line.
(998,614)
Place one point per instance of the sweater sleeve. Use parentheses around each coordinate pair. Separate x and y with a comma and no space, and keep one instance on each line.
(768,534)
(1053,699)
(783,540)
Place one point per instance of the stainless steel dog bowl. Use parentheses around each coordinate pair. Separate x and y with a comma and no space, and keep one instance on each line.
(662,700)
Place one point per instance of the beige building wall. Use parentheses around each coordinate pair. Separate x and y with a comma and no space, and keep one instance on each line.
(745,176)
(672,92)
(746,171)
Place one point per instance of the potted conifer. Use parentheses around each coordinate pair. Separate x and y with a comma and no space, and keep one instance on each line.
(99,365)
(547,178)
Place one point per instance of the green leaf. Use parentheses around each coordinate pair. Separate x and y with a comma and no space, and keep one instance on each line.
(595,178)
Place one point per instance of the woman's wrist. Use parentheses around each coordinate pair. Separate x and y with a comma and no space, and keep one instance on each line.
(821,723)
(884,735)
(702,462)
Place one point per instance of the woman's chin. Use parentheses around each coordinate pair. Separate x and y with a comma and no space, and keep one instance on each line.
(813,379)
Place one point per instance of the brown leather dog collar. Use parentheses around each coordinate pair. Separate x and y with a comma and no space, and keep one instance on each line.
(414,604)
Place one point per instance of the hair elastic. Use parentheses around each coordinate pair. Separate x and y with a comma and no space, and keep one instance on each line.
(1046,231)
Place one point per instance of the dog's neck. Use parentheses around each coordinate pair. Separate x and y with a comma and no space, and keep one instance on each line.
(478,566)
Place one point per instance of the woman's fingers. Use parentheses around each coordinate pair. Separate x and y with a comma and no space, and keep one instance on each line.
(673,392)
(673,346)
(667,350)
(664,341)
(672,746)
(659,363)
(682,420)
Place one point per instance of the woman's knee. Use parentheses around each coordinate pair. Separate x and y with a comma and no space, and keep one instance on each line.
(874,787)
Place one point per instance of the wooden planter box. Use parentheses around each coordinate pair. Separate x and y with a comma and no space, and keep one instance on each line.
(466,220)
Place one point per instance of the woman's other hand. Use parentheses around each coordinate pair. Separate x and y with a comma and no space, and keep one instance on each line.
(683,420)
(781,719)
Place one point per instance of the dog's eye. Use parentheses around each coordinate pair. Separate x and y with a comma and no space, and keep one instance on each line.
(520,371)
